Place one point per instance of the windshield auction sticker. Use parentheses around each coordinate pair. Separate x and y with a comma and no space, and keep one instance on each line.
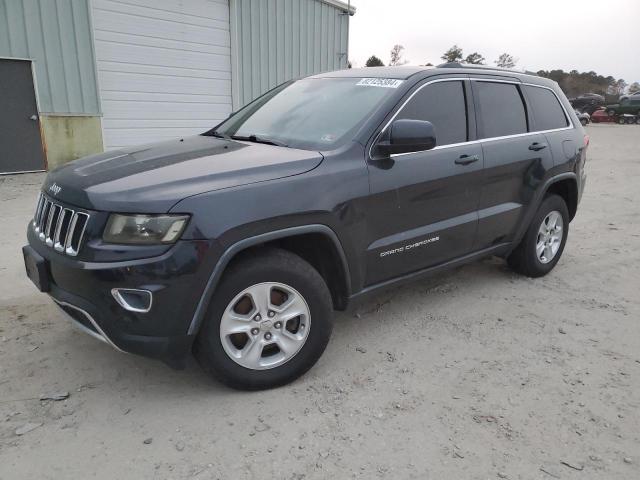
(380,82)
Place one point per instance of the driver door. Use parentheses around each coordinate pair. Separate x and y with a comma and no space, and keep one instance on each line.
(423,205)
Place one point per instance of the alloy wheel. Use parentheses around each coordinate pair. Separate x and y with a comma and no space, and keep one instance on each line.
(549,237)
(265,325)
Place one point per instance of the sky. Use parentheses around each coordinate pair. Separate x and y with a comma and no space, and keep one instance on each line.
(585,35)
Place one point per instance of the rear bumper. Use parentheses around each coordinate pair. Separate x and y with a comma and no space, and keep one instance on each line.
(176,279)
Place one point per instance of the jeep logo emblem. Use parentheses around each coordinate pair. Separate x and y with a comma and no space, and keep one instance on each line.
(55,189)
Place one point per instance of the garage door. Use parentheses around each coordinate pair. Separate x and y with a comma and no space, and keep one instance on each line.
(164,68)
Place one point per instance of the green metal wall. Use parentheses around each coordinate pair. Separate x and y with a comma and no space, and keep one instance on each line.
(275,40)
(56,35)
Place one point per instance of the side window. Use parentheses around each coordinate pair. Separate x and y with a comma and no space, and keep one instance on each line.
(443,104)
(500,109)
(546,109)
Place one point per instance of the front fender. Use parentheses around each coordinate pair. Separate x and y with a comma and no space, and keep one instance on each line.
(241,245)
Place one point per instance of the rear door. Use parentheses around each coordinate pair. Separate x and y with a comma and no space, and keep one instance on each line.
(515,159)
(423,205)
(549,117)
(20,140)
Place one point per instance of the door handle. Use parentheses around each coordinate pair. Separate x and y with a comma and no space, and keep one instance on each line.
(535,146)
(467,159)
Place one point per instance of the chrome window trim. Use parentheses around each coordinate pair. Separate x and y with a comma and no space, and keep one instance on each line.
(477,141)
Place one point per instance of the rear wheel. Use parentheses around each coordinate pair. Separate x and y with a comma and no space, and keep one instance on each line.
(584,122)
(544,241)
(268,323)
(621,120)
(611,113)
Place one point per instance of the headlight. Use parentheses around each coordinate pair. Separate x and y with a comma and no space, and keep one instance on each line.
(144,229)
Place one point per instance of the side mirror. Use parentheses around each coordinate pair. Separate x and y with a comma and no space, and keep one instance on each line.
(409,136)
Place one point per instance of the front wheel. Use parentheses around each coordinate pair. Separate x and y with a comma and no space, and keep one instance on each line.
(544,241)
(268,323)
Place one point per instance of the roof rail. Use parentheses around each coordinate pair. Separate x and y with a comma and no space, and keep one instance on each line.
(484,67)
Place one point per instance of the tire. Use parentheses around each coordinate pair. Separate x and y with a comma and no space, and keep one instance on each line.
(286,278)
(621,120)
(525,259)
(611,113)
(584,122)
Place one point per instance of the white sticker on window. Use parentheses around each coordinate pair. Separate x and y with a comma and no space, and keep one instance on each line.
(380,82)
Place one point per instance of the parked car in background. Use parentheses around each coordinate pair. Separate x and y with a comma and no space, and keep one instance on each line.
(601,116)
(584,117)
(627,119)
(630,106)
(587,102)
(631,96)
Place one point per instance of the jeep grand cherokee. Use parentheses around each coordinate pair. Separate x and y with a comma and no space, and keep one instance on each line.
(237,244)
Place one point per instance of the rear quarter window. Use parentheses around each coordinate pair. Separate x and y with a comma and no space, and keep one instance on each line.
(501,111)
(547,112)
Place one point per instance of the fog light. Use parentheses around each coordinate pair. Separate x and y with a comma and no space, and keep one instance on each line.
(133,299)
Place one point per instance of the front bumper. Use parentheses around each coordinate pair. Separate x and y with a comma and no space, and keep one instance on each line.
(177,279)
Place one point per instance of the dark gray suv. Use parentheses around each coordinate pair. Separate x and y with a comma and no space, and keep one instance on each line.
(239,243)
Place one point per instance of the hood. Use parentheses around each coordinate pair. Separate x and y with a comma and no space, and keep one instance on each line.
(152,178)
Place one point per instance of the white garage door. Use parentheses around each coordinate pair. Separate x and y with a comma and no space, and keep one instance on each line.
(164,68)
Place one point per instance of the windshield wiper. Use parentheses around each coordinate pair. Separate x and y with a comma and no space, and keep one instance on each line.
(256,139)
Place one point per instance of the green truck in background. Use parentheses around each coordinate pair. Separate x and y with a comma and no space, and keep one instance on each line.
(629,105)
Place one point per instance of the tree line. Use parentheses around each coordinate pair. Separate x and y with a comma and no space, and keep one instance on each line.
(573,83)
(454,54)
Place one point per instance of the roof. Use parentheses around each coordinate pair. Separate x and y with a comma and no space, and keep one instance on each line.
(404,72)
(400,73)
(345,6)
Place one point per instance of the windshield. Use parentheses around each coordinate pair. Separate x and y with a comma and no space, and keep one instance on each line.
(312,114)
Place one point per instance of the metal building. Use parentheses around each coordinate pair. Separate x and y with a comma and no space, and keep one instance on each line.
(80,76)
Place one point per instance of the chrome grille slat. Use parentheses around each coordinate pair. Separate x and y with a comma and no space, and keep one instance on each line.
(59,227)
(38,212)
(64,220)
(43,219)
(52,222)
(74,241)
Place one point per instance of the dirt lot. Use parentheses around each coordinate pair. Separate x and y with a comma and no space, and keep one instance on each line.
(476,374)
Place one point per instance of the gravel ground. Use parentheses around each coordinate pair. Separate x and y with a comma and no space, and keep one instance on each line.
(475,374)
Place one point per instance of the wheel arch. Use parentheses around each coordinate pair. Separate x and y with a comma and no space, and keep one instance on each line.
(565,185)
(335,272)
(567,188)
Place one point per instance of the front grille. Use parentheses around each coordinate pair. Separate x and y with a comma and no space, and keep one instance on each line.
(59,227)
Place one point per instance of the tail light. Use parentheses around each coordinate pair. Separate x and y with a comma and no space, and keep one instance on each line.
(586,140)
